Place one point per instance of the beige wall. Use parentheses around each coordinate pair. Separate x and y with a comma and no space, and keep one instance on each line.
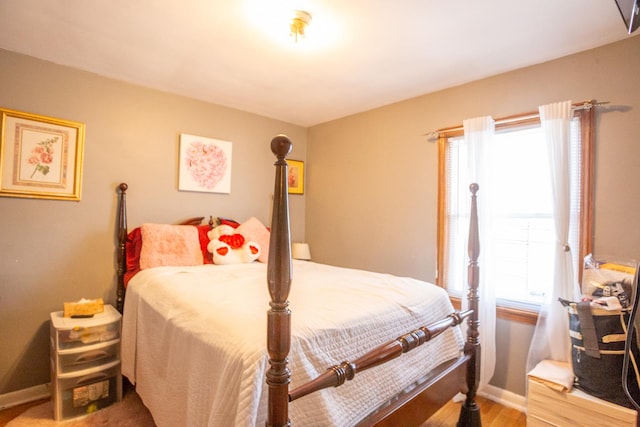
(56,251)
(372,177)
(370,196)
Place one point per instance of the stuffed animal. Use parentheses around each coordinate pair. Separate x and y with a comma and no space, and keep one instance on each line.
(229,247)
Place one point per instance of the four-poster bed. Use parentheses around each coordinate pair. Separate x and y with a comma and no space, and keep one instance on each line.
(232,380)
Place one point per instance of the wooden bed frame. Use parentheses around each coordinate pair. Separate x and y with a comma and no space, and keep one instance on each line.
(409,408)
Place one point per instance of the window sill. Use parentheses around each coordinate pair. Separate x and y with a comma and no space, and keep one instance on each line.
(512,314)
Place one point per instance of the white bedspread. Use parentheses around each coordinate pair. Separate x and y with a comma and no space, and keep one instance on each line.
(194,341)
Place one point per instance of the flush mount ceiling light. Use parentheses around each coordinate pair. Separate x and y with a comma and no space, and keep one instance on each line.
(299,23)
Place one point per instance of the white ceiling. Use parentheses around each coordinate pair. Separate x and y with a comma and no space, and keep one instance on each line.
(358,54)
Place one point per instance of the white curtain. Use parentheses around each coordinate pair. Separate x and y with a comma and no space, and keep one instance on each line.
(478,136)
(551,338)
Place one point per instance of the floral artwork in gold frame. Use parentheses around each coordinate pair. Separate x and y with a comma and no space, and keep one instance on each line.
(40,157)
(296,176)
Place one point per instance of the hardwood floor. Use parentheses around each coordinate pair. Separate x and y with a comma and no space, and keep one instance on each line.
(493,415)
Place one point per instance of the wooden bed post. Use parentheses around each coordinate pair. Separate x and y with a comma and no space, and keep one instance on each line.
(470,411)
(122,245)
(279,281)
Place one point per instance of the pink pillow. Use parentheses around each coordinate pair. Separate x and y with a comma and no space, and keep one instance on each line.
(174,245)
(252,229)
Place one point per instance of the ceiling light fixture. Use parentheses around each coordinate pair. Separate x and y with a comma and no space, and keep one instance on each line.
(299,23)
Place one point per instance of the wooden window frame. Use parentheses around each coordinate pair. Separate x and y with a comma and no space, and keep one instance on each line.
(586,112)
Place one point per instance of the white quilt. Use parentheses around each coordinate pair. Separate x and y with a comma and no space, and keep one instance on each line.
(194,341)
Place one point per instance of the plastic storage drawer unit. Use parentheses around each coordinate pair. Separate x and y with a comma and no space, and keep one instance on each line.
(88,357)
(85,363)
(88,391)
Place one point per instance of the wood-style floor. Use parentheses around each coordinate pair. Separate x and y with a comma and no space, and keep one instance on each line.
(493,415)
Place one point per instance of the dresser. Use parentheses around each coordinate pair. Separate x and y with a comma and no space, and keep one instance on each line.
(547,407)
(85,363)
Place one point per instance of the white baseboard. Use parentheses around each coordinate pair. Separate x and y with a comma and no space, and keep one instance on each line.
(25,395)
(42,391)
(504,397)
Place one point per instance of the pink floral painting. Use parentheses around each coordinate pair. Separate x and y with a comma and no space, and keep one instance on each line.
(205,164)
(42,156)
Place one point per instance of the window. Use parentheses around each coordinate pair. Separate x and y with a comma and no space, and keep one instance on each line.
(521,264)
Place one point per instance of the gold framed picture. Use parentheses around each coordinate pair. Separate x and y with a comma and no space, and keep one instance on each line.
(40,157)
(296,176)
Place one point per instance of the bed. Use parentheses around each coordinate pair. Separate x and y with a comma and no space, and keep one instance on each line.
(342,347)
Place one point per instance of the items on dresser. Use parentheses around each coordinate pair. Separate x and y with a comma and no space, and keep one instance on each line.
(598,332)
(83,308)
(85,362)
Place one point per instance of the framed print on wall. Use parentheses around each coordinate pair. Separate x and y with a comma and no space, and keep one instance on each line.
(40,157)
(296,176)
(205,164)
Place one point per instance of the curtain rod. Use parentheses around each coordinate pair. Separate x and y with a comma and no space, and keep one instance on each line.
(586,105)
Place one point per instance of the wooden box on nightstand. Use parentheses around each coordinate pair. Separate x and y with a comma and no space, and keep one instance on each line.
(547,407)
(85,363)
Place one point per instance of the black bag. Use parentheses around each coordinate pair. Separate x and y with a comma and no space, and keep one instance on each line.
(598,339)
(629,365)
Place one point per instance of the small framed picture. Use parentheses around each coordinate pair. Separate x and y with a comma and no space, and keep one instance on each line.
(41,157)
(205,164)
(296,176)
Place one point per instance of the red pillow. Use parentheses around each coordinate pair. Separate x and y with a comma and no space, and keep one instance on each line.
(133,247)
(229,222)
(204,242)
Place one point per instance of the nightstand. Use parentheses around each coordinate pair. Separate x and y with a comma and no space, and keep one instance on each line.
(547,407)
(85,363)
